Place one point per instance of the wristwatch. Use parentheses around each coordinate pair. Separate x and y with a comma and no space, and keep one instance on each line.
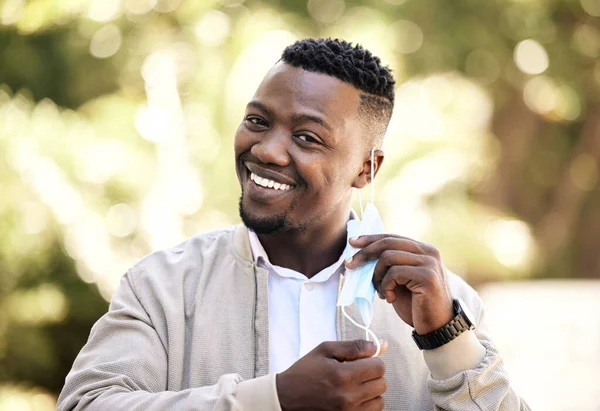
(462,321)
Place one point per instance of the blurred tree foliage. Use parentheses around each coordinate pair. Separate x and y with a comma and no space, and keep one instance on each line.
(85,168)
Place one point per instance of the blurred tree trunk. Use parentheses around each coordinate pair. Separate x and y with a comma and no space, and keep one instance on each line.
(566,230)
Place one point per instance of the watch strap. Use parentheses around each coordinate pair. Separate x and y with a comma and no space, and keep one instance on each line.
(455,327)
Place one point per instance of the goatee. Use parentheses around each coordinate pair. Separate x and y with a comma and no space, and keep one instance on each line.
(263,225)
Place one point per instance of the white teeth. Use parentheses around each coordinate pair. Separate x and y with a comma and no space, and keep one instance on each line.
(265,182)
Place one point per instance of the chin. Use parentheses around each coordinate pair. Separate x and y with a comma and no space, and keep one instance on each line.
(263,224)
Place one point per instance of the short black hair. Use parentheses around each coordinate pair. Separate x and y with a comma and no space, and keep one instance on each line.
(354,65)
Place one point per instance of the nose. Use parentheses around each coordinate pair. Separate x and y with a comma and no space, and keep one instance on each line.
(272,148)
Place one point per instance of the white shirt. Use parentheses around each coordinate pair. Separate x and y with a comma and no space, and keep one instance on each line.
(302,311)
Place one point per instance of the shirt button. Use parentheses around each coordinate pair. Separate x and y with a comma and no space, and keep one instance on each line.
(309,286)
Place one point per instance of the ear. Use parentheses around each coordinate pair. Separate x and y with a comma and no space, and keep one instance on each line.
(364,177)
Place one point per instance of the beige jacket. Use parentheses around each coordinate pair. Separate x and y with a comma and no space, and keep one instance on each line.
(188,330)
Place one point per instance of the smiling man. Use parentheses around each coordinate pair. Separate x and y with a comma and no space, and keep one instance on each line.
(246,317)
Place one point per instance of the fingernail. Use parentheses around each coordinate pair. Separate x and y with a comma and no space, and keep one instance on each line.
(349,260)
(353,238)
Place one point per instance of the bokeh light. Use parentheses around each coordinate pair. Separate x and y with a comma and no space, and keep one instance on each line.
(326,11)
(44,304)
(20,398)
(531,57)
(106,42)
(407,37)
(139,6)
(592,7)
(586,40)
(556,102)
(11,11)
(213,28)
(104,10)
(121,220)
(511,242)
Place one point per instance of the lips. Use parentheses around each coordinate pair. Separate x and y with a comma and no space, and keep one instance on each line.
(268,183)
(266,186)
(269,174)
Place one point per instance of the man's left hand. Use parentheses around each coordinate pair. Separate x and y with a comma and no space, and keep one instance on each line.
(410,276)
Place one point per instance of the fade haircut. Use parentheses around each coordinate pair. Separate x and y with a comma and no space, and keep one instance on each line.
(353,65)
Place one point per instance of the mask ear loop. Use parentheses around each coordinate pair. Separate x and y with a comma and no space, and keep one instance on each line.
(360,204)
(373,176)
(368,332)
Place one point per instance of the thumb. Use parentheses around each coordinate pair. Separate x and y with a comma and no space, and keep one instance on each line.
(349,350)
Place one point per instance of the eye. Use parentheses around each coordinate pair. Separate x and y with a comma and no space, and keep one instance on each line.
(306,138)
(257,121)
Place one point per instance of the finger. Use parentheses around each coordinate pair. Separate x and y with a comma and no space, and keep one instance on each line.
(391,258)
(347,350)
(370,390)
(376,404)
(413,278)
(375,387)
(364,240)
(373,250)
(365,369)
(419,247)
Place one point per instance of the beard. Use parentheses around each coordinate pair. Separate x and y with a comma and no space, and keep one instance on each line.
(267,225)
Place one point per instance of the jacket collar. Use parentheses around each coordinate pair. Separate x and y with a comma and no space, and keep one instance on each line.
(241,243)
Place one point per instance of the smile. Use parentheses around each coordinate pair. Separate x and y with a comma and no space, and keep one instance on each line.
(267,183)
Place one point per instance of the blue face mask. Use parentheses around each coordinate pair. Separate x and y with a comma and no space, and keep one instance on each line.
(358,283)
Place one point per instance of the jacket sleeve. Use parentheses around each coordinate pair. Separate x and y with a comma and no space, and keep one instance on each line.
(483,387)
(124,366)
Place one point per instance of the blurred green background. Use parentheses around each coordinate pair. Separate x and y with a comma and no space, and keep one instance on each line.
(117,120)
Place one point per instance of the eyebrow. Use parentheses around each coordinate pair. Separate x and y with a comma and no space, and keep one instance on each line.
(261,107)
(295,117)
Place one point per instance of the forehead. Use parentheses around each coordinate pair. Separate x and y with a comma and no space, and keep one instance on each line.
(288,88)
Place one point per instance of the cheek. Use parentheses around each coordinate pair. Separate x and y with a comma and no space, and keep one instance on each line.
(333,180)
(335,174)
(342,174)
(242,140)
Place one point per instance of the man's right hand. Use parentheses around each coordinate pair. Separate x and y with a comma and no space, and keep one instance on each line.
(336,375)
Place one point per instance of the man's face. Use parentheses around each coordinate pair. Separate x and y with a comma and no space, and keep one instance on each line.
(299,150)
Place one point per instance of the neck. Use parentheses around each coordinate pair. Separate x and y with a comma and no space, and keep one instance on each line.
(309,251)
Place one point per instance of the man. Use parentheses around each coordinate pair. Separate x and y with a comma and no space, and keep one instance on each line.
(246,318)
